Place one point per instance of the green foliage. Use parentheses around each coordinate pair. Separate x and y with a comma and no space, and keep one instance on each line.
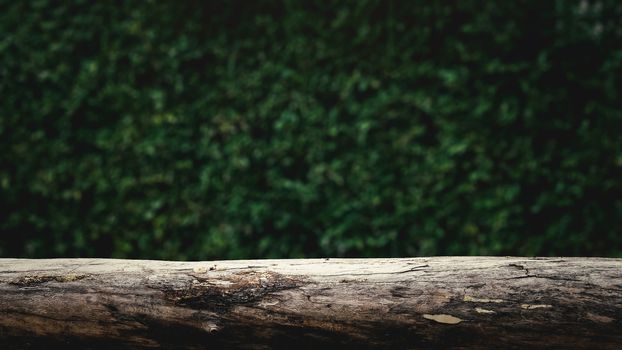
(242,129)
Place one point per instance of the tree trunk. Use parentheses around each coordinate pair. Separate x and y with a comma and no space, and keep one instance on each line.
(418,303)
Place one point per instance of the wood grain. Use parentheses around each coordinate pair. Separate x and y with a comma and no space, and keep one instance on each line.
(416,303)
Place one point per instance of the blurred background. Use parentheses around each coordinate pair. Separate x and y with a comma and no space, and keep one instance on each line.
(282,129)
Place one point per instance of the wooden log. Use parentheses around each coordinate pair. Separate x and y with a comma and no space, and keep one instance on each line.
(418,303)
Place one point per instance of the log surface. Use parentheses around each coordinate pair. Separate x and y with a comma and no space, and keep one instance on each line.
(414,303)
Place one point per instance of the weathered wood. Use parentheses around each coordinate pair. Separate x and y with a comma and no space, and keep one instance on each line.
(419,303)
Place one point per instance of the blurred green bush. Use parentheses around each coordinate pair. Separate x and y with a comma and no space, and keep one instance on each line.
(243,129)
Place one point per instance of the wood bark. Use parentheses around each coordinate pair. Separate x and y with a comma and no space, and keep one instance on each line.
(416,303)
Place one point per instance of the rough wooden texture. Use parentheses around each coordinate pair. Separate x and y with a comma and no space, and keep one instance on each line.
(419,303)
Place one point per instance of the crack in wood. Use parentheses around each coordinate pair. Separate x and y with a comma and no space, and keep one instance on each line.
(239,289)
(552,278)
(349,273)
(521,267)
(33,280)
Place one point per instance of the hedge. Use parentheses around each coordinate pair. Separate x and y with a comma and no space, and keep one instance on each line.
(245,129)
